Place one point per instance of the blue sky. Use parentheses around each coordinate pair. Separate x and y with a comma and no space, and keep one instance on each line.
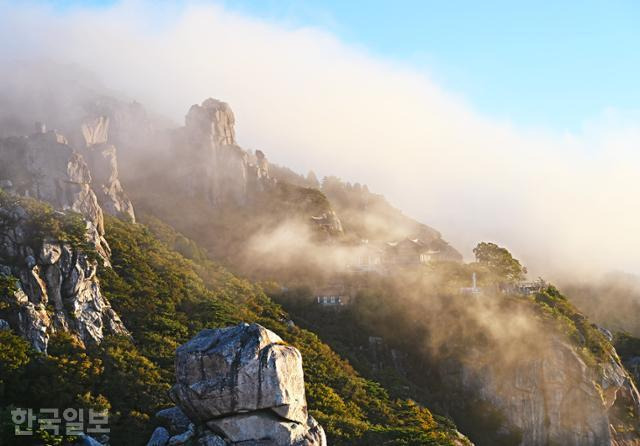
(548,64)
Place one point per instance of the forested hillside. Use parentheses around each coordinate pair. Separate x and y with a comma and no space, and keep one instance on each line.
(164,298)
(467,352)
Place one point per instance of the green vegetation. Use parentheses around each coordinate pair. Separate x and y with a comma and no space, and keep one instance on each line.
(499,261)
(352,409)
(301,199)
(164,299)
(8,286)
(228,233)
(68,377)
(44,223)
(400,329)
(388,331)
(549,303)
(166,289)
(591,343)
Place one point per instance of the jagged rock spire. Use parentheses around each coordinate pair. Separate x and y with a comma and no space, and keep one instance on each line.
(213,120)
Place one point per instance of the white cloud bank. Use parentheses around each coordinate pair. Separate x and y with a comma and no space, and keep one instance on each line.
(558,201)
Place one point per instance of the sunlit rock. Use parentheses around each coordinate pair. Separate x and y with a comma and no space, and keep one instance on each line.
(239,369)
(102,160)
(240,385)
(56,288)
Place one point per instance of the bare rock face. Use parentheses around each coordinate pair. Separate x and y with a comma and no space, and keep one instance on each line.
(44,166)
(174,420)
(212,121)
(95,131)
(556,398)
(274,431)
(214,167)
(102,160)
(242,369)
(160,437)
(242,385)
(55,286)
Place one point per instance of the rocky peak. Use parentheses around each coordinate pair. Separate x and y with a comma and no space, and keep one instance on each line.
(217,169)
(261,163)
(238,385)
(212,121)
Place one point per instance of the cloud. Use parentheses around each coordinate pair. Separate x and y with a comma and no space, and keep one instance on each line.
(558,201)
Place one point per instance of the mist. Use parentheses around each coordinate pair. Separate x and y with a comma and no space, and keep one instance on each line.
(563,202)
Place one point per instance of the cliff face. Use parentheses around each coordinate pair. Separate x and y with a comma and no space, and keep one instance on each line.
(51,284)
(45,167)
(554,397)
(213,167)
(82,176)
(48,258)
(102,160)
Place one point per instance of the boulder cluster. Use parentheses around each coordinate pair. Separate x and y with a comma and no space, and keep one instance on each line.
(240,385)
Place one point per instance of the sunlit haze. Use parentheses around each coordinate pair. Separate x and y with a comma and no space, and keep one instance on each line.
(312,97)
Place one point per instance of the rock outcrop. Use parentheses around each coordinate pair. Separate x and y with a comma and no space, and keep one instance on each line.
(45,167)
(239,385)
(102,160)
(211,164)
(50,285)
(328,222)
(554,397)
(56,288)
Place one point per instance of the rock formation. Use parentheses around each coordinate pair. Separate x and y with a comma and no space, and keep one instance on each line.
(56,288)
(328,222)
(238,385)
(212,121)
(54,285)
(45,167)
(102,161)
(200,163)
(554,397)
(214,167)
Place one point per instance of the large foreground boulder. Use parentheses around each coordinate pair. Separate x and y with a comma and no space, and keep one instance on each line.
(240,385)
(239,369)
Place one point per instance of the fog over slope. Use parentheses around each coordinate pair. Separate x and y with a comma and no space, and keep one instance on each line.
(562,202)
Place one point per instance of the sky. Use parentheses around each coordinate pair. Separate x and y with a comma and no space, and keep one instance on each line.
(537,63)
(514,125)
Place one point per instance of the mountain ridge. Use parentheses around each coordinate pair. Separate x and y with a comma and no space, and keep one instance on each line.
(229,204)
